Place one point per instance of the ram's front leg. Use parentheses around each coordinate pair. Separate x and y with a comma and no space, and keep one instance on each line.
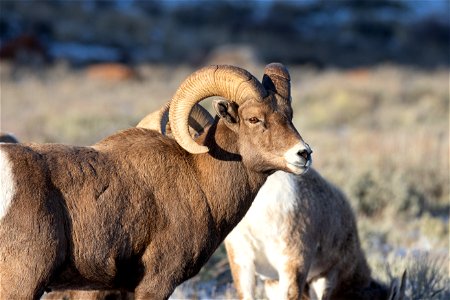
(152,289)
(162,272)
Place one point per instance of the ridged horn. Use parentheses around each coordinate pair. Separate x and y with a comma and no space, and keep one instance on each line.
(156,120)
(232,83)
(199,119)
(277,79)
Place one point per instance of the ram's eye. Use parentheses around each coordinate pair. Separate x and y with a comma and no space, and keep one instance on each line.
(253,120)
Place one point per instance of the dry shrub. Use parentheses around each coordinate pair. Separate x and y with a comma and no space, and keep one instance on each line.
(427,274)
(384,97)
(399,172)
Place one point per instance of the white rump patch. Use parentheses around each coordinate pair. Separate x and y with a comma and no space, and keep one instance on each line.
(7,186)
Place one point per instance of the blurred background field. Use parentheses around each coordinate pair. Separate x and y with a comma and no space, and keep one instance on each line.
(370,87)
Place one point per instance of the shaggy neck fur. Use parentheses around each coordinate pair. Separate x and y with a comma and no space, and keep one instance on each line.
(228,197)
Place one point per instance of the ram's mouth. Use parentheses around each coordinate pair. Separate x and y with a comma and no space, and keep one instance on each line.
(299,169)
(298,158)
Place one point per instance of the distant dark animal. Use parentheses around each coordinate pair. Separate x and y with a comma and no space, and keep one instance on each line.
(24,48)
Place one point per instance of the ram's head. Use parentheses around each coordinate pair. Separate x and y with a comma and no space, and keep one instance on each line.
(258,116)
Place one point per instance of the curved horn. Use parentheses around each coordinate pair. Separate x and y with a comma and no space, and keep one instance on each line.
(156,120)
(277,79)
(199,118)
(229,82)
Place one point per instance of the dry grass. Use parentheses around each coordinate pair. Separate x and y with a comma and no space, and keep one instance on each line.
(381,134)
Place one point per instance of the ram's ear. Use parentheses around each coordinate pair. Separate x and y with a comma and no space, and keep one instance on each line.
(228,111)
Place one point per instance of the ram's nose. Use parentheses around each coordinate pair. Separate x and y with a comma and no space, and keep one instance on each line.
(305,153)
(298,158)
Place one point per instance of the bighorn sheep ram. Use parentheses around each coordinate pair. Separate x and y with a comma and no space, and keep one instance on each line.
(301,230)
(138,211)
